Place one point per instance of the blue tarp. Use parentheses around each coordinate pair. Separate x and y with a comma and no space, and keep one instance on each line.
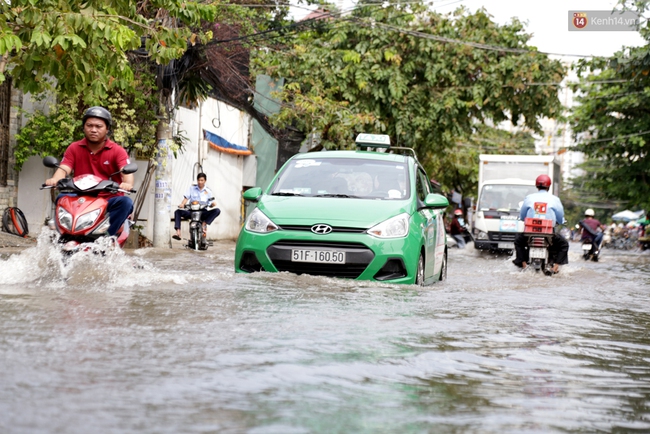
(221,142)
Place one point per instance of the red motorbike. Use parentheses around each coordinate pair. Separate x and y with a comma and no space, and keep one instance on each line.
(80,216)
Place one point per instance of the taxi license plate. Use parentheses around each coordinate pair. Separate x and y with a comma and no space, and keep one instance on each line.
(508,246)
(318,256)
(536,252)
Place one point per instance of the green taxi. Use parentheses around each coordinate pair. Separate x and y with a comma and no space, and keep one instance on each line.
(366,214)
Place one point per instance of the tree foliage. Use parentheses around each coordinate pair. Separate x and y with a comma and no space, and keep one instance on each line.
(611,124)
(86,47)
(430,81)
(88,53)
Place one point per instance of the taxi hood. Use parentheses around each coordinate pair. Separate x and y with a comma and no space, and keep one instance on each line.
(346,212)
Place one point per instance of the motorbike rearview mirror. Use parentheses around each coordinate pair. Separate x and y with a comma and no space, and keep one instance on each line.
(50,162)
(130,168)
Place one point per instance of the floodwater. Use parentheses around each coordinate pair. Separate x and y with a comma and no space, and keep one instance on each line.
(173,341)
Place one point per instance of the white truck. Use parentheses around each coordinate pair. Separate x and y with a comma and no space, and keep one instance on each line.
(503,183)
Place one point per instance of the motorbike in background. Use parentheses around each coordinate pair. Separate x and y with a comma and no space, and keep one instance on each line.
(80,216)
(197,239)
(589,250)
(539,237)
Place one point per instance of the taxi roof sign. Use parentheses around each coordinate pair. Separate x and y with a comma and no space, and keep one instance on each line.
(373,140)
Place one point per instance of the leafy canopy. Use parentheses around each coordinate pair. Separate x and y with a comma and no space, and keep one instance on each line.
(612,126)
(430,81)
(86,46)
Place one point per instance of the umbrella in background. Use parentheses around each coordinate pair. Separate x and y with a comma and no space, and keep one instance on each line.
(627,215)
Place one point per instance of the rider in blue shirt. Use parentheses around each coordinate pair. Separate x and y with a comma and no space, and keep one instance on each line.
(201,193)
(545,205)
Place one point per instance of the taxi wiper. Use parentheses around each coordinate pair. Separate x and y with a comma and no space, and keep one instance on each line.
(336,195)
(285,193)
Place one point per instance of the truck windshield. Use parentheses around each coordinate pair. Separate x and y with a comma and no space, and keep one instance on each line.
(503,197)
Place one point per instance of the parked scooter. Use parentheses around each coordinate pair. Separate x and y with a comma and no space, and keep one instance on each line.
(589,250)
(197,239)
(80,216)
(539,234)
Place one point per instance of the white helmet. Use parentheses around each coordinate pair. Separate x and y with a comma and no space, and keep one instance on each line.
(589,212)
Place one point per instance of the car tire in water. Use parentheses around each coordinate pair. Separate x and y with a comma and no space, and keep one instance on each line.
(419,274)
(443,270)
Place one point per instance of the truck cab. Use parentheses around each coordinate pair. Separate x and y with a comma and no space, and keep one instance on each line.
(504,182)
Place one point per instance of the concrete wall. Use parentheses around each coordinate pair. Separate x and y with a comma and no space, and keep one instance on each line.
(224,171)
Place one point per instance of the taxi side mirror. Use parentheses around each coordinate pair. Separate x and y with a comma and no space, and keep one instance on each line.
(436,201)
(253,194)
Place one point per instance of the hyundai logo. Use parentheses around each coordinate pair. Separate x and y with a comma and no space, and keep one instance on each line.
(321,229)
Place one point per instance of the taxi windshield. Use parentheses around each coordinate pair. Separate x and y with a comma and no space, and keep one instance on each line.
(344,178)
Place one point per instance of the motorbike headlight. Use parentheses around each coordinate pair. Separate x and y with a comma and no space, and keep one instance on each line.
(65,219)
(195,206)
(258,222)
(87,220)
(394,227)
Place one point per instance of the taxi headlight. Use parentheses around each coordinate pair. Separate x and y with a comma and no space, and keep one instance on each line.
(258,222)
(394,227)
(87,220)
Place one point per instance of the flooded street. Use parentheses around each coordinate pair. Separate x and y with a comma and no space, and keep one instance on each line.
(170,341)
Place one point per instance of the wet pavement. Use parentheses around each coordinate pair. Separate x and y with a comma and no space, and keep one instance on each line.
(172,340)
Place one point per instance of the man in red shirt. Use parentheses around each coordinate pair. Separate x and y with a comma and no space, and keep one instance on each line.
(97,155)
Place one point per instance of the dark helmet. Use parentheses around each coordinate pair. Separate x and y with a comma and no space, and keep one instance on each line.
(543,181)
(458,211)
(98,112)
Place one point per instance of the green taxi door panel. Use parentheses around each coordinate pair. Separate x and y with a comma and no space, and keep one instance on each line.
(423,191)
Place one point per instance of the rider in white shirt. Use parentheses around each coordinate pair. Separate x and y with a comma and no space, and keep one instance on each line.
(201,193)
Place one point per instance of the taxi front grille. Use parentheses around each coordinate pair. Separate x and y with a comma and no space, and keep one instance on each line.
(335,229)
(357,258)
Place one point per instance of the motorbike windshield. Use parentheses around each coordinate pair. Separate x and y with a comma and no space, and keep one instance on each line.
(497,197)
(344,178)
(86,182)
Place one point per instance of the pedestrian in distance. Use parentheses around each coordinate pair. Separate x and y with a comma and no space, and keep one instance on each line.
(96,154)
(456,230)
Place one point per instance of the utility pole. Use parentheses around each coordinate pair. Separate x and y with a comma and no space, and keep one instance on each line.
(163,196)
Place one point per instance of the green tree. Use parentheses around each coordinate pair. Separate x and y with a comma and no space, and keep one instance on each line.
(612,126)
(432,82)
(611,123)
(86,47)
(87,53)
